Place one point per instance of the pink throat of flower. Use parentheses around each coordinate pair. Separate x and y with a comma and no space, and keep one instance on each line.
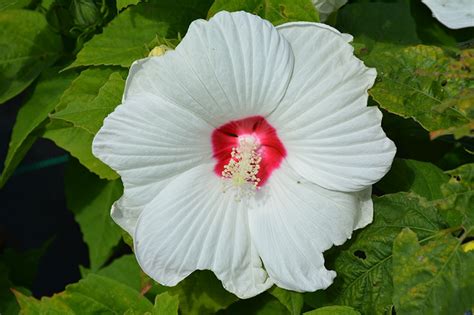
(251,142)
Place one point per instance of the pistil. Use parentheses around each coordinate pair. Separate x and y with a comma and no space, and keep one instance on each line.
(240,173)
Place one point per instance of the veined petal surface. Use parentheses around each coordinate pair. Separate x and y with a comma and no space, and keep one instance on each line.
(295,221)
(232,66)
(192,224)
(331,136)
(454,14)
(148,141)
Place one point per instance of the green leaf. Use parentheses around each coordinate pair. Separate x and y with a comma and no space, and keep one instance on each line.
(262,304)
(14,4)
(124,270)
(435,278)
(415,81)
(90,199)
(81,112)
(384,21)
(422,178)
(27,46)
(463,103)
(90,116)
(462,180)
(122,4)
(293,301)
(30,305)
(79,143)
(458,202)
(333,310)
(364,266)
(201,292)
(93,295)
(275,11)
(166,304)
(32,114)
(138,29)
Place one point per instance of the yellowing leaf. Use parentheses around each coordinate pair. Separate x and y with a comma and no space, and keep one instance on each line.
(364,266)
(418,81)
(435,278)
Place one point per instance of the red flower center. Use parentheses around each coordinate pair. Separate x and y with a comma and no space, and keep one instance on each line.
(269,148)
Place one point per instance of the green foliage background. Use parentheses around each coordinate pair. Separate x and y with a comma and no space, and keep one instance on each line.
(69,59)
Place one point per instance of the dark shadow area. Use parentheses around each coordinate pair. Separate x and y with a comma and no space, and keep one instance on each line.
(33,211)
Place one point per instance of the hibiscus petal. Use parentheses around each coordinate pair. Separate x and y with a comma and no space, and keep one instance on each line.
(233,66)
(331,136)
(295,222)
(366,214)
(454,14)
(193,225)
(326,7)
(148,141)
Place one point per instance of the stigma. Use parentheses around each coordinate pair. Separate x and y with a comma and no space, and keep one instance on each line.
(241,172)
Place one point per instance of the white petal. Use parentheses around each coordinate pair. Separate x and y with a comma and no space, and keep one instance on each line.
(453,13)
(148,141)
(326,7)
(366,214)
(233,66)
(331,136)
(295,222)
(193,225)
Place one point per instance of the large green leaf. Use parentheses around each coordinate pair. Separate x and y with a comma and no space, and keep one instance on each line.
(80,113)
(27,46)
(14,4)
(364,267)
(32,114)
(122,4)
(90,115)
(275,11)
(201,292)
(293,301)
(435,278)
(422,178)
(416,82)
(138,29)
(90,199)
(92,295)
(333,310)
(166,304)
(124,270)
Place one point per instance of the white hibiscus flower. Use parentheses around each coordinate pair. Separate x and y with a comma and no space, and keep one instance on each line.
(246,144)
(326,7)
(453,13)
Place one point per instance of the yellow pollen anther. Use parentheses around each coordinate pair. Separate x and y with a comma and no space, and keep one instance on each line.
(241,171)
